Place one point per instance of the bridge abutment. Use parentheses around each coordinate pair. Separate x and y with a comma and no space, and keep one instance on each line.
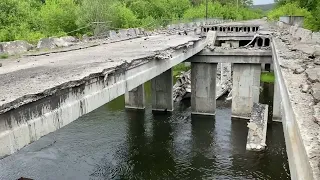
(135,99)
(162,92)
(246,89)
(203,86)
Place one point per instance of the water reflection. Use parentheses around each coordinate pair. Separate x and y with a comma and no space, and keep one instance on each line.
(203,158)
(113,143)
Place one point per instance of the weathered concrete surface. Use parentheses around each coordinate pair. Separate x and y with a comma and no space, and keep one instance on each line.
(257,128)
(53,42)
(162,93)
(14,47)
(135,99)
(299,118)
(41,94)
(182,88)
(241,55)
(203,96)
(246,89)
(277,104)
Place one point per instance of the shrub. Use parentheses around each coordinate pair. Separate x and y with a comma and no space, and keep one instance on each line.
(217,10)
(58,16)
(293,9)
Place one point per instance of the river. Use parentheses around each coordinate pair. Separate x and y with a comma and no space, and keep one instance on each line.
(114,143)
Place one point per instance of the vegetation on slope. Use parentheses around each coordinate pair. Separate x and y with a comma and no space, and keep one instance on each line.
(309,9)
(34,19)
(264,7)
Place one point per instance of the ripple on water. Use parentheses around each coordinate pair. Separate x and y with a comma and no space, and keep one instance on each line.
(111,143)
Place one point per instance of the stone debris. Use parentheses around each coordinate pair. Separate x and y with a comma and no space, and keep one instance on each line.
(0,64)
(313,75)
(257,128)
(52,42)
(182,88)
(164,55)
(15,47)
(305,88)
(297,47)
(298,70)
(316,92)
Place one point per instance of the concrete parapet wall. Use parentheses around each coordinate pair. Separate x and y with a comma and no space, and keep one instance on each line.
(300,34)
(299,162)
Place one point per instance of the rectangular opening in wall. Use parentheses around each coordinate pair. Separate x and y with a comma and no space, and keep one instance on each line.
(244,42)
(218,43)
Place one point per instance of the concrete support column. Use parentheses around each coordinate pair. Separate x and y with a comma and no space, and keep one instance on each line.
(162,92)
(263,42)
(246,89)
(276,102)
(203,88)
(135,98)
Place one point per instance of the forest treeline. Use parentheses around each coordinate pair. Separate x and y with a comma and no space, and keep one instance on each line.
(33,19)
(310,9)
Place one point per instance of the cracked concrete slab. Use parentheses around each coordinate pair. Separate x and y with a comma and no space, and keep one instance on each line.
(28,79)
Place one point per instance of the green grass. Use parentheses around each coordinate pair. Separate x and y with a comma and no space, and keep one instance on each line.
(179,68)
(267,77)
(4,56)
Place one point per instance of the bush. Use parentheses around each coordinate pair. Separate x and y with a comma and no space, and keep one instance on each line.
(58,16)
(122,17)
(293,9)
(93,11)
(33,19)
(216,10)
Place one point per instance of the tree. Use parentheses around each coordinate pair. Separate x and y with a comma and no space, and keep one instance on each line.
(58,16)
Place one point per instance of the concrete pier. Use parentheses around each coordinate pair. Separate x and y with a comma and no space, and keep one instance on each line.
(276,102)
(162,92)
(135,98)
(203,88)
(246,89)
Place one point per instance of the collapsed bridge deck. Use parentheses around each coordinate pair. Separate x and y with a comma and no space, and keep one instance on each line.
(41,94)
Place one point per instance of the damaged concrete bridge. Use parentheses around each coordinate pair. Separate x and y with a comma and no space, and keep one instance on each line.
(43,92)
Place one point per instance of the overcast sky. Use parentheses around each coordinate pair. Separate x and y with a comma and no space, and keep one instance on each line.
(262,1)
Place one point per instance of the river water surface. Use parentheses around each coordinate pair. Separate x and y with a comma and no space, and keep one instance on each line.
(113,143)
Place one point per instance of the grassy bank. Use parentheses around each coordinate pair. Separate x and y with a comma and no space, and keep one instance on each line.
(267,77)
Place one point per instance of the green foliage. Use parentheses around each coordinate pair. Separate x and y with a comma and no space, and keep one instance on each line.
(178,69)
(4,56)
(267,77)
(58,16)
(227,11)
(293,9)
(33,19)
(122,17)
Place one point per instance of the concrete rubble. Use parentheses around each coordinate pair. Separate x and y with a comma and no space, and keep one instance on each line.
(52,42)
(257,128)
(15,47)
(182,88)
(298,50)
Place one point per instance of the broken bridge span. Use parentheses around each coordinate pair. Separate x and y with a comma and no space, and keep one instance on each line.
(45,92)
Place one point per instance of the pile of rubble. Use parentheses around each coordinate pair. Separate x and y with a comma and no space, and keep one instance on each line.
(299,53)
(182,88)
